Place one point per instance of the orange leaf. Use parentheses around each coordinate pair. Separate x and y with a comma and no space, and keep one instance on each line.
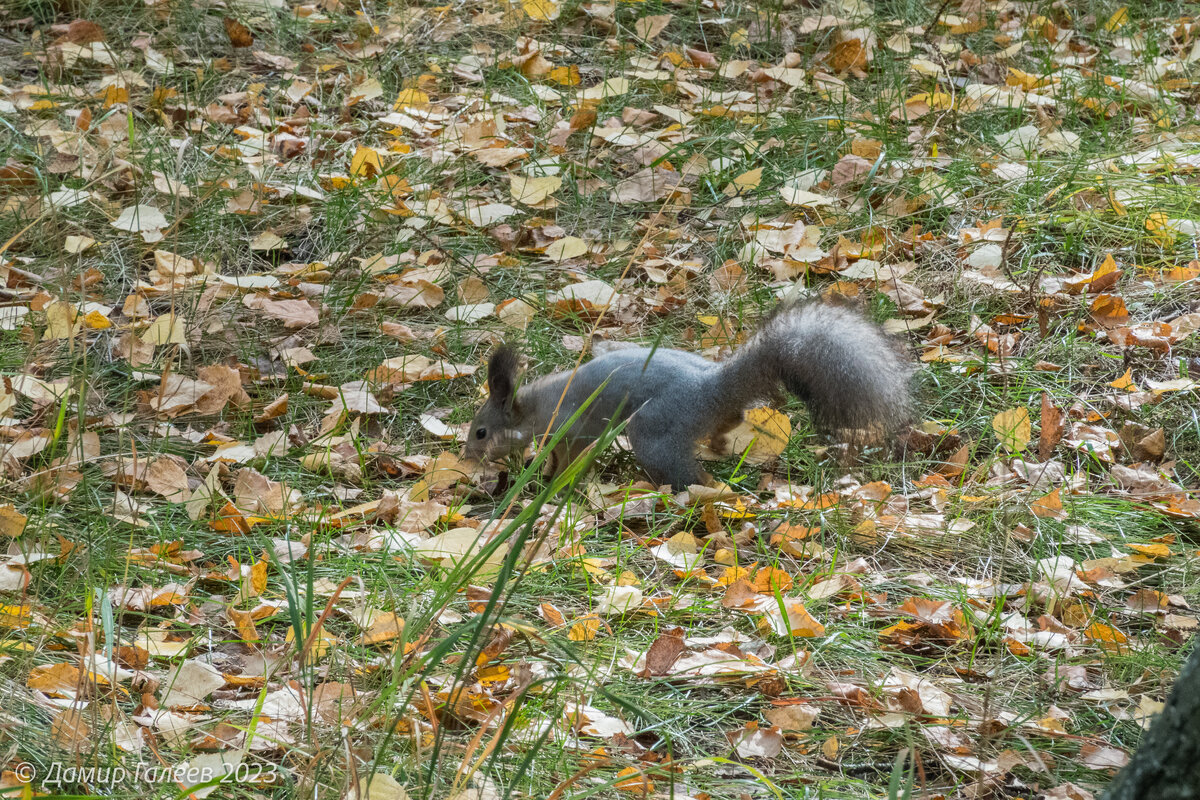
(1106,637)
(770,579)
(1151,550)
(631,779)
(1049,506)
(1109,310)
(1125,382)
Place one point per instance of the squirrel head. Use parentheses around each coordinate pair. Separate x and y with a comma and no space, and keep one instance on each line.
(496,432)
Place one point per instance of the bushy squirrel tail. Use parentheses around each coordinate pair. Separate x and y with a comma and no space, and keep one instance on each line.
(841,365)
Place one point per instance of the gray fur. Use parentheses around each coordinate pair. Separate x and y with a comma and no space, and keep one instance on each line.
(839,364)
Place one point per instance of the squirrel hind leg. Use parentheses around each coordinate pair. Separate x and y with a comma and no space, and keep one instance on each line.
(667,457)
(679,475)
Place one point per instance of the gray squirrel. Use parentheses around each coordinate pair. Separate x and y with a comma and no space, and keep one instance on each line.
(842,366)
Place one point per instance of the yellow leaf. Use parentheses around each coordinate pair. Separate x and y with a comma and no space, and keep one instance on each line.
(1013,429)
(12,522)
(585,630)
(366,162)
(772,430)
(565,76)
(1107,266)
(411,97)
(1151,550)
(541,10)
(1119,18)
(385,628)
(96,321)
(321,645)
(745,182)
(62,321)
(166,329)
(532,191)
(115,94)
(566,247)
(15,616)
(830,748)
(1159,226)
(941,101)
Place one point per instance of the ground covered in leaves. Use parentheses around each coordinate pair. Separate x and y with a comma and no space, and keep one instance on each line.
(254,253)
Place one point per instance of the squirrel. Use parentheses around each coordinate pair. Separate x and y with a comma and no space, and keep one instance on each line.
(837,362)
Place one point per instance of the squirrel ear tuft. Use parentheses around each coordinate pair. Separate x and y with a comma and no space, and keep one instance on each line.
(502,374)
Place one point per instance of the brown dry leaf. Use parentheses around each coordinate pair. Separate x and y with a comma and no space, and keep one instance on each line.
(258,494)
(647,186)
(1109,311)
(792,715)
(413,293)
(292,313)
(755,742)
(1103,277)
(227,389)
(177,394)
(499,157)
(273,410)
(664,652)
(1052,428)
(1101,757)
(650,26)
(165,476)
(59,679)
(82,31)
(446,470)
(553,617)
(239,35)
(70,731)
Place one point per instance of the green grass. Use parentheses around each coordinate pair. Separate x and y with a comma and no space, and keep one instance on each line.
(679,726)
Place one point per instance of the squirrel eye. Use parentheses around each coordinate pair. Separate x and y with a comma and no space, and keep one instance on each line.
(480,433)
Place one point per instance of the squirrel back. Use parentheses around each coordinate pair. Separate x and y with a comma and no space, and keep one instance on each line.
(841,365)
